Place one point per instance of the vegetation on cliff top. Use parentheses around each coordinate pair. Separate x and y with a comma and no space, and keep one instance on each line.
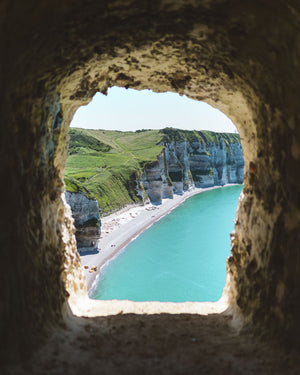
(79,140)
(105,164)
(202,136)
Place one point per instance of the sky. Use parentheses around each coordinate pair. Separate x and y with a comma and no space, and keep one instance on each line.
(131,110)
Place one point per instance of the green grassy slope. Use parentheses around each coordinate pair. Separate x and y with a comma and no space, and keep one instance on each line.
(104,164)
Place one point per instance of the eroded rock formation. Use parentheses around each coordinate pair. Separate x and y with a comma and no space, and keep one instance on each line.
(85,212)
(241,57)
(184,164)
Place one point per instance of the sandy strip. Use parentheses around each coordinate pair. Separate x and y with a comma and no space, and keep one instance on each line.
(120,228)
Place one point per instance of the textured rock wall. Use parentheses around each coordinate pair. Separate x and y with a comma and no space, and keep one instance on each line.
(87,222)
(185,164)
(241,57)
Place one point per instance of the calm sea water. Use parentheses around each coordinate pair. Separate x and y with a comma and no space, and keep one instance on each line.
(180,258)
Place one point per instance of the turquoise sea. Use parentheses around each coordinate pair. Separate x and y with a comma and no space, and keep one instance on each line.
(180,258)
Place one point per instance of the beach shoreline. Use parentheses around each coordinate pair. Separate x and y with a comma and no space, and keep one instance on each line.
(121,227)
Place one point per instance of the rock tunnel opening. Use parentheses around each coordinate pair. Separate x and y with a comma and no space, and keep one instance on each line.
(187,158)
(226,53)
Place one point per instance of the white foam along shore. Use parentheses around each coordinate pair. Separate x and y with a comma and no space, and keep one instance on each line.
(121,227)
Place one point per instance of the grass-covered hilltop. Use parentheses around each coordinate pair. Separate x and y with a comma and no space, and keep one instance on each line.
(105,164)
(109,165)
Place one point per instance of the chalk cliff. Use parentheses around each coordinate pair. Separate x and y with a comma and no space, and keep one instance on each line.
(85,212)
(191,158)
(158,165)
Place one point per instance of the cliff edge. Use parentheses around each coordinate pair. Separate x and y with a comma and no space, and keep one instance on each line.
(85,212)
(193,158)
(110,169)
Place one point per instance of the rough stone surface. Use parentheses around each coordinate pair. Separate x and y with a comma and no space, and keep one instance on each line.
(162,344)
(87,221)
(184,164)
(241,57)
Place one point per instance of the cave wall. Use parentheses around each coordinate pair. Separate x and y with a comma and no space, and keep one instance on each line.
(240,57)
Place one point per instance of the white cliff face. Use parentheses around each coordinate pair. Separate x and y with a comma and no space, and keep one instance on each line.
(181,165)
(184,164)
(87,222)
(155,181)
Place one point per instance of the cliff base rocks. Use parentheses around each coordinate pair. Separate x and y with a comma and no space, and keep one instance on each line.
(85,212)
